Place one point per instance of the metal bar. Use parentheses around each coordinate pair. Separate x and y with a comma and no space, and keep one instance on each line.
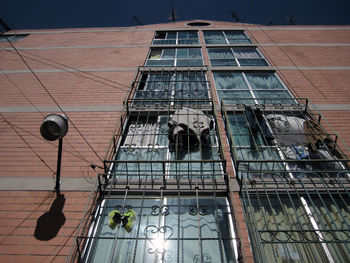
(217,219)
(111,256)
(58,171)
(199,228)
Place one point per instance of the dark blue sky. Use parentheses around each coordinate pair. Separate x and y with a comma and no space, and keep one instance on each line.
(31,14)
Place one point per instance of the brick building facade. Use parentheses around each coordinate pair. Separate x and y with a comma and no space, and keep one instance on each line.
(228,192)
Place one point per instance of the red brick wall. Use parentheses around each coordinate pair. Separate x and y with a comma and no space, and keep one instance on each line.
(19,214)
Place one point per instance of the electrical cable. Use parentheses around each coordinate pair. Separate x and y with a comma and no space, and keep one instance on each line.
(91,164)
(72,68)
(53,99)
(14,84)
(289,86)
(35,106)
(289,57)
(29,146)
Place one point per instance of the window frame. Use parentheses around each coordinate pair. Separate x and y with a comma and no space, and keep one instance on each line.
(173,82)
(247,42)
(254,99)
(175,59)
(177,38)
(216,171)
(198,211)
(237,60)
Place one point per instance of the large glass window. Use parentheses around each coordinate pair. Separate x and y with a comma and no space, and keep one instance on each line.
(175,57)
(289,225)
(164,88)
(167,229)
(180,145)
(251,88)
(176,38)
(292,144)
(226,37)
(241,57)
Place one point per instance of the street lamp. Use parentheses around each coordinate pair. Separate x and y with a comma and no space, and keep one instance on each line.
(55,127)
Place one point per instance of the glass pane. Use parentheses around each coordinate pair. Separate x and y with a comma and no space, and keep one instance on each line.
(159,63)
(246,53)
(164,42)
(214,37)
(236,96)
(185,34)
(276,223)
(190,86)
(264,81)
(166,230)
(138,163)
(237,37)
(333,213)
(155,54)
(223,62)
(195,53)
(241,133)
(189,62)
(252,62)
(227,80)
(203,168)
(171,35)
(222,53)
(168,53)
(188,41)
(182,53)
(189,53)
(274,97)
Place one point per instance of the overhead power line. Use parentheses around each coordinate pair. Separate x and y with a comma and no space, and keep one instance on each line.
(53,99)
(27,143)
(74,73)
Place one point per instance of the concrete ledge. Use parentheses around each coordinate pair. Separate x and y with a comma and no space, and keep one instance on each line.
(45,184)
(73,108)
(332,107)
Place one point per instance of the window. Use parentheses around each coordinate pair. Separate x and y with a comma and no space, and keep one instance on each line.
(251,88)
(281,140)
(226,37)
(181,57)
(298,223)
(199,23)
(241,57)
(176,38)
(181,145)
(293,186)
(168,88)
(166,229)
(12,37)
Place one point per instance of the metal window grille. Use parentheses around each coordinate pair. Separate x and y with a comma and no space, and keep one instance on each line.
(298,220)
(167,228)
(173,179)
(294,181)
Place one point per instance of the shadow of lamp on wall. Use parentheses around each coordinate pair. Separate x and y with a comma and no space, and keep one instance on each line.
(53,127)
(49,224)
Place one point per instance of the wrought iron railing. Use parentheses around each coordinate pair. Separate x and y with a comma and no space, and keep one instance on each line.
(298,219)
(282,149)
